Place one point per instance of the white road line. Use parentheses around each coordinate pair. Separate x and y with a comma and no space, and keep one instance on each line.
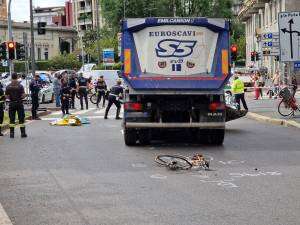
(4,219)
(84,111)
(99,111)
(55,118)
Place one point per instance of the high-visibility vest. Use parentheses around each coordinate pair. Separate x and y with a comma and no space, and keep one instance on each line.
(238,87)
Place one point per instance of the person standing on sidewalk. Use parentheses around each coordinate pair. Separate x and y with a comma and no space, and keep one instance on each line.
(2,107)
(276,83)
(35,88)
(15,94)
(238,89)
(56,89)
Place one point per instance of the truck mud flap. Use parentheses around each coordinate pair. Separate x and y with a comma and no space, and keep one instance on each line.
(233,114)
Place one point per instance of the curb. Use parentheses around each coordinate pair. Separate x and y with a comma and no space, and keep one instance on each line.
(266,119)
(6,126)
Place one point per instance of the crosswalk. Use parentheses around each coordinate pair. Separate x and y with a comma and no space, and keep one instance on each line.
(91,113)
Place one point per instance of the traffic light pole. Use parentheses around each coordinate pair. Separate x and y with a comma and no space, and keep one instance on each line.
(10,35)
(32,40)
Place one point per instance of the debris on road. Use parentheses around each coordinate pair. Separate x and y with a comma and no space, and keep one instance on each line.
(70,120)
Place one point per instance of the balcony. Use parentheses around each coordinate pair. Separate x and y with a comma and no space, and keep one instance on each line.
(85,9)
(250,7)
(85,21)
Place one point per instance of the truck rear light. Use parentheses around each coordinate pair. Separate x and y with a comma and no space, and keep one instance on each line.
(134,106)
(127,61)
(216,106)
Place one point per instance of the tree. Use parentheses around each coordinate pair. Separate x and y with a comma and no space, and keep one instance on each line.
(66,61)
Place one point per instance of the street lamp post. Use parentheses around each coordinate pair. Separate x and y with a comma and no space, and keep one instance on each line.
(32,40)
(98,31)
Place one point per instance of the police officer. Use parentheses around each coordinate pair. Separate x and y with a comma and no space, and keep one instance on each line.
(82,90)
(116,92)
(72,85)
(65,93)
(2,107)
(100,89)
(35,88)
(15,93)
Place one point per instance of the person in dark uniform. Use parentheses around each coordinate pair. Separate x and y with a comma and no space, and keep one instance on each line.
(15,94)
(116,92)
(100,89)
(35,87)
(73,86)
(65,93)
(2,107)
(82,90)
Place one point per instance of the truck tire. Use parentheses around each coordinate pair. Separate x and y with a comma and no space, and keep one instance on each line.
(216,137)
(144,137)
(130,136)
(211,137)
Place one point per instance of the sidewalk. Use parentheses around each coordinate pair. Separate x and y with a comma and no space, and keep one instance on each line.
(265,110)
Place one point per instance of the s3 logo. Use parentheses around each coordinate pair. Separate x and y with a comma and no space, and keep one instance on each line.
(174,48)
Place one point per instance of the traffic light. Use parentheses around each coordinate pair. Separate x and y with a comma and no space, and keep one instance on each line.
(258,56)
(3,51)
(253,54)
(20,51)
(234,52)
(11,48)
(41,28)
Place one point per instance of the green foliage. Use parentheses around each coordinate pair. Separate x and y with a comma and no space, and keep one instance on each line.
(65,61)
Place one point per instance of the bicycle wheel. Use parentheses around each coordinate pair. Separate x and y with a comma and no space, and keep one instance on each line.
(93,98)
(166,160)
(284,109)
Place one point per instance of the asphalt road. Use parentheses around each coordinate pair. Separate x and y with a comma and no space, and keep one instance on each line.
(87,176)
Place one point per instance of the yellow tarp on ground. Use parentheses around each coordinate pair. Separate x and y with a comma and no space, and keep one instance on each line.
(70,120)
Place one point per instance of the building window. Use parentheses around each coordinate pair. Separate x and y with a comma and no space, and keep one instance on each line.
(39,53)
(46,53)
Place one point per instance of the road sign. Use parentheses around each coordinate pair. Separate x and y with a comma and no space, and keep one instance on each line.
(108,57)
(289,35)
(270,44)
(297,65)
(4,63)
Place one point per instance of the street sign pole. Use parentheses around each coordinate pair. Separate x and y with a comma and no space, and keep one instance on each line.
(10,35)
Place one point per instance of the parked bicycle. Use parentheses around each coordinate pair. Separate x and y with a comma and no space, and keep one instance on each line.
(178,162)
(288,105)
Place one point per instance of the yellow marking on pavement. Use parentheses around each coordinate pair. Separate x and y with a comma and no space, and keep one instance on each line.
(4,219)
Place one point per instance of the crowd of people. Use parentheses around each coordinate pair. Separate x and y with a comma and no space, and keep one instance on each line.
(65,88)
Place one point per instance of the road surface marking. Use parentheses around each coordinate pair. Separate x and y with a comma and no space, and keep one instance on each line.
(158,176)
(4,219)
(57,118)
(84,111)
(99,111)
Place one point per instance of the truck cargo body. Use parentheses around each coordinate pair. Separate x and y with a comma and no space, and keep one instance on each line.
(175,69)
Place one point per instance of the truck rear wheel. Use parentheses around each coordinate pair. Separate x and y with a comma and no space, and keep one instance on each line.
(130,136)
(211,137)
(144,136)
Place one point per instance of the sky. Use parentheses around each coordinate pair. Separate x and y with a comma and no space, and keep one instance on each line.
(20,8)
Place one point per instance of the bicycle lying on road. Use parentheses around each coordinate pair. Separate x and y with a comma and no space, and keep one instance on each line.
(178,162)
(288,105)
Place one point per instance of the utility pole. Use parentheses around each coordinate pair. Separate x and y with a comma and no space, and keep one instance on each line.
(32,40)
(98,31)
(124,9)
(10,34)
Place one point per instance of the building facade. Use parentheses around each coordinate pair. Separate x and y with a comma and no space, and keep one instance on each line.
(85,14)
(59,15)
(56,40)
(261,16)
(3,10)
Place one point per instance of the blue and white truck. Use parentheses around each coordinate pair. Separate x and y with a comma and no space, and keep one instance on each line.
(175,70)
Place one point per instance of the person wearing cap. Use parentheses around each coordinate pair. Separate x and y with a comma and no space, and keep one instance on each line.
(100,89)
(83,90)
(15,94)
(2,107)
(116,92)
(35,88)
